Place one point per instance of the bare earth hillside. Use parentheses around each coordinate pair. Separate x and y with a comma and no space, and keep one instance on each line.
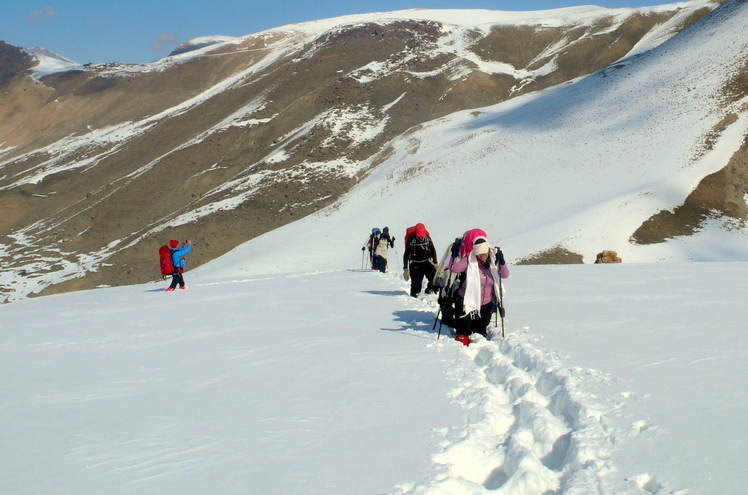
(101,164)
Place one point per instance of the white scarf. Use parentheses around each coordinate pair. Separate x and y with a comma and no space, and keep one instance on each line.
(473,290)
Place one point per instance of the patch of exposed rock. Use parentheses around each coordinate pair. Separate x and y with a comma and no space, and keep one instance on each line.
(557,255)
(607,256)
(13,61)
(718,195)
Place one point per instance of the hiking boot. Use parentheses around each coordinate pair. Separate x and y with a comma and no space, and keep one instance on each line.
(465,339)
(184,287)
(169,289)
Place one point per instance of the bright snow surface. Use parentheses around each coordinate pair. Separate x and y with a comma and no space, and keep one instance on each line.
(612,379)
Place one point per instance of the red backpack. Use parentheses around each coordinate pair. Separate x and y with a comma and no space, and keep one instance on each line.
(167,265)
(410,232)
(417,243)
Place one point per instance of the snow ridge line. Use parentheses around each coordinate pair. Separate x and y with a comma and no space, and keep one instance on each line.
(530,427)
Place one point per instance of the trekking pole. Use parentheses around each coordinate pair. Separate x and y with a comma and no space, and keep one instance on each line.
(441,322)
(363,256)
(501,311)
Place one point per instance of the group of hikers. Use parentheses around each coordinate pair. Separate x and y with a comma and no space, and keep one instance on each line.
(378,245)
(467,279)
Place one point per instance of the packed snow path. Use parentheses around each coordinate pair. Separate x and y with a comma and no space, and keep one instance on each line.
(530,427)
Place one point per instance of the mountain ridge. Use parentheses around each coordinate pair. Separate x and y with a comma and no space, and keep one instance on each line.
(238,138)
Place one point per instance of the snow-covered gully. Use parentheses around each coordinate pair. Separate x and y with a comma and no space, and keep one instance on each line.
(531,427)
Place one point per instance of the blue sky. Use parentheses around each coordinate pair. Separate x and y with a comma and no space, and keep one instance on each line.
(143,31)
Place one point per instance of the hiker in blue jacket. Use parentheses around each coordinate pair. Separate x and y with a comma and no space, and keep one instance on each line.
(178,252)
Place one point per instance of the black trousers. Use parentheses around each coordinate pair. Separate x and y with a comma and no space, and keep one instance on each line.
(380,263)
(419,270)
(479,324)
(177,278)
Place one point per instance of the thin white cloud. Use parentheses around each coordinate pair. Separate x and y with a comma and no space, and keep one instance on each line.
(162,40)
(41,15)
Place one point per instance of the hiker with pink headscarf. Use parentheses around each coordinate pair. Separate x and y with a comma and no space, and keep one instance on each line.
(480,267)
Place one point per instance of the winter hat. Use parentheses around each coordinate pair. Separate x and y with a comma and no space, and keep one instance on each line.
(421,230)
(174,243)
(480,248)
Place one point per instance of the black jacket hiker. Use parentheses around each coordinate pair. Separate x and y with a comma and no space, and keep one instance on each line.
(419,259)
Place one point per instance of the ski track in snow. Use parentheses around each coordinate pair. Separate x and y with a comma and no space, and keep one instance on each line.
(530,426)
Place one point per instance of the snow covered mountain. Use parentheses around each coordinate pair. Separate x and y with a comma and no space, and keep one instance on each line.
(101,164)
(285,368)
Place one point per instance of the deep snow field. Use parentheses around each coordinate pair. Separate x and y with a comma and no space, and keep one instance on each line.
(612,379)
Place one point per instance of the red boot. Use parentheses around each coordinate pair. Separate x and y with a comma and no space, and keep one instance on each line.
(465,339)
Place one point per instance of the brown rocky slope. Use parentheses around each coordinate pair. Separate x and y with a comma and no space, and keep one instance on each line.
(102,164)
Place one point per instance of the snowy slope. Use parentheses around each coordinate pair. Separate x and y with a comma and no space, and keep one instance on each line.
(227,388)
(48,62)
(581,165)
(612,380)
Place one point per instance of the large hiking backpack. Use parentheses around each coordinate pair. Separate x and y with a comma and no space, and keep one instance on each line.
(443,269)
(410,232)
(448,303)
(449,284)
(167,265)
(374,239)
(419,248)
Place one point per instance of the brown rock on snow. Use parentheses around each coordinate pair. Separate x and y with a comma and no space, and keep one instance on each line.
(607,257)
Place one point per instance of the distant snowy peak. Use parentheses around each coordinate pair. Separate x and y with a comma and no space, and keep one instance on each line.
(48,62)
(201,42)
(44,53)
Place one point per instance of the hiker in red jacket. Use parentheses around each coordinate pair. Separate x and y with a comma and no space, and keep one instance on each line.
(419,259)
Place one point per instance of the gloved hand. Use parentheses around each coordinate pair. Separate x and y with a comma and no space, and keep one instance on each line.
(500,257)
(456,248)
(363,248)
(406,274)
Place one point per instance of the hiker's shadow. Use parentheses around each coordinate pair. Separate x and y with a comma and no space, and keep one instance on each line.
(386,292)
(422,321)
(409,319)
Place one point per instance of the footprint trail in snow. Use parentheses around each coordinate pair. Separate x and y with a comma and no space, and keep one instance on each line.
(530,426)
